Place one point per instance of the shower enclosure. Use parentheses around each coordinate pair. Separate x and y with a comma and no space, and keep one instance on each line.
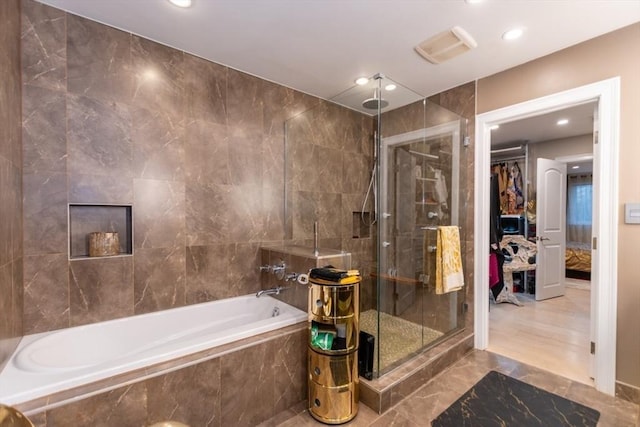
(405,151)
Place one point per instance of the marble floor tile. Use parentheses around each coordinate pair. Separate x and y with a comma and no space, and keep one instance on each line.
(428,401)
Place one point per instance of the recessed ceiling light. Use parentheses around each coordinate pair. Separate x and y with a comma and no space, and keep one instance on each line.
(362,81)
(390,87)
(494,127)
(575,167)
(512,34)
(181,3)
(473,1)
(562,122)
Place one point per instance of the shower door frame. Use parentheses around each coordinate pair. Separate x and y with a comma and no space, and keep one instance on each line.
(451,128)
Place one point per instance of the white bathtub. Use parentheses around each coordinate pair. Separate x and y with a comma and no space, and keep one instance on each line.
(51,362)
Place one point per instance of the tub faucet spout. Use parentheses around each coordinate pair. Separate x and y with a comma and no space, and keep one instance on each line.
(272,291)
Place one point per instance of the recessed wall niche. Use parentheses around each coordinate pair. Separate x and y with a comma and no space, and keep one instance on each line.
(85,219)
(361,225)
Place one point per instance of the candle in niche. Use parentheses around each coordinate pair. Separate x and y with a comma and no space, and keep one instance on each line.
(103,244)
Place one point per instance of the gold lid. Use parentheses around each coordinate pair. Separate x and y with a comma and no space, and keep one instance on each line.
(11,417)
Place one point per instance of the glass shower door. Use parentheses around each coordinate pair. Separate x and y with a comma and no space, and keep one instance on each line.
(418,192)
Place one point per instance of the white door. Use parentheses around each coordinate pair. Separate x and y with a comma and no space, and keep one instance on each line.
(551,204)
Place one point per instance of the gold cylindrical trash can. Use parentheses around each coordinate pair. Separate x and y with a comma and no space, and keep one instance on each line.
(334,311)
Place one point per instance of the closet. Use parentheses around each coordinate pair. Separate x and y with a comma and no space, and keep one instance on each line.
(509,175)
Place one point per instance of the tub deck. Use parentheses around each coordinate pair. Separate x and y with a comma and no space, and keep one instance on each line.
(14,383)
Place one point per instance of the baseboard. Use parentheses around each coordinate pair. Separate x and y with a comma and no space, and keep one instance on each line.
(628,392)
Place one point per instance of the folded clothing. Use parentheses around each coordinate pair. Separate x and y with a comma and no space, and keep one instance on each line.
(335,275)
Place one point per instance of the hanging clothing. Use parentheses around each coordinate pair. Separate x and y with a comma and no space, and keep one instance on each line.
(510,186)
(494,275)
(518,186)
(495,227)
(502,172)
(498,287)
(495,235)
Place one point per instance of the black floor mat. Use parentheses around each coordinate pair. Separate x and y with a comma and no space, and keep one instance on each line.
(499,400)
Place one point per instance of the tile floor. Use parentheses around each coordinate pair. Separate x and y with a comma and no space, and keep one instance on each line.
(428,401)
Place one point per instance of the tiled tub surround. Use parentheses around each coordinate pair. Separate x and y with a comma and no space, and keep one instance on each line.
(298,259)
(231,344)
(198,151)
(196,148)
(11,290)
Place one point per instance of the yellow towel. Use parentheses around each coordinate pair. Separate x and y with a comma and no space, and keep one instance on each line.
(449,276)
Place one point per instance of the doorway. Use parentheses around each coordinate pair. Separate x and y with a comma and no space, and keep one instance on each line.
(605,223)
(544,319)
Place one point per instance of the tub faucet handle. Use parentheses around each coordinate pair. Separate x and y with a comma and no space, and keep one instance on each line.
(291,277)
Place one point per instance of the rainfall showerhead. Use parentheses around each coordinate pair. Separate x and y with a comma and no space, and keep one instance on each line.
(375,102)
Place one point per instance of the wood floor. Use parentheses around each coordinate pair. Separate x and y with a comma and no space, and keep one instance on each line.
(552,335)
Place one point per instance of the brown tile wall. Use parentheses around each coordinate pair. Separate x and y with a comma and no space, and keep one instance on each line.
(267,378)
(195,147)
(329,160)
(329,157)
(296,261)
(11,293)
(462,101)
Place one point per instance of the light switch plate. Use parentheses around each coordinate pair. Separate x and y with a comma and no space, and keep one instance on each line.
(632,213)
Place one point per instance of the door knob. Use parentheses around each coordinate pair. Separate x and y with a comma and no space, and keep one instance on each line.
(538,238)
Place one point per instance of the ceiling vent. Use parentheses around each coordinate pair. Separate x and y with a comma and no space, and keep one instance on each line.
(446,45)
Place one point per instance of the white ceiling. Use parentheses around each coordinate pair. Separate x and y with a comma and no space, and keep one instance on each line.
(321,46)
(544,127)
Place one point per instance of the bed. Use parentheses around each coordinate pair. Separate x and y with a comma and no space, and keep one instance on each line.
(578,260)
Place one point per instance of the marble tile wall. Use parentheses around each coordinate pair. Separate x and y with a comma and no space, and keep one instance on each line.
(297,259)
(195,147)
(462,101)
(198,150)
(241,388)
(11,267)
(329,157)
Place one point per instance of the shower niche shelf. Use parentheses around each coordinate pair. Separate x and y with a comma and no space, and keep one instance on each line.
(88,218)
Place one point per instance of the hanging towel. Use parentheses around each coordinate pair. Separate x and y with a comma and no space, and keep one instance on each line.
(449,275)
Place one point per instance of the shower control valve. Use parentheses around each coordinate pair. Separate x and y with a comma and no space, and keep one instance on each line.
(386,215)
(386,244)
(277,270)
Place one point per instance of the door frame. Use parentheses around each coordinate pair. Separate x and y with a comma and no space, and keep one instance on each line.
(605,228)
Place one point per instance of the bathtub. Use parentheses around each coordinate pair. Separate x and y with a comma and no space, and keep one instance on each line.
(51,363)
